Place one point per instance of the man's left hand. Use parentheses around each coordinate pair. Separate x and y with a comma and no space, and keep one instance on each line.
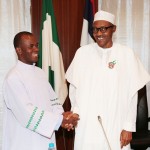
(125,138)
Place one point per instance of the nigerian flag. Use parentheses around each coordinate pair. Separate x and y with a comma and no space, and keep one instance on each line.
(50,58)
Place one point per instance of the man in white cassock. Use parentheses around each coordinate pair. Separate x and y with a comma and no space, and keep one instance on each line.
(32,109)
(104,80)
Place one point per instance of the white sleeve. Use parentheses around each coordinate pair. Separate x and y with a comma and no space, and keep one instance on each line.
(72,96)
(26,113)
(130,123)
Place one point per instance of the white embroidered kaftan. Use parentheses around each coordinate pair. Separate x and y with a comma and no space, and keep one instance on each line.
(104,82)
(32,110)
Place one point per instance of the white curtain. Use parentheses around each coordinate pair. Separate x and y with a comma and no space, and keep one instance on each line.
(14,17)
(133,27)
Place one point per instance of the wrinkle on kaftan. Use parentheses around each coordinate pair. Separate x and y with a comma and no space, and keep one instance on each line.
(108,92)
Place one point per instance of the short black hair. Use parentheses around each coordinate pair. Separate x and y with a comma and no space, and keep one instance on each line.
(18,38)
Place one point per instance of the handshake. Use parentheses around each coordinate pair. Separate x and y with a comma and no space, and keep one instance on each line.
(70,120)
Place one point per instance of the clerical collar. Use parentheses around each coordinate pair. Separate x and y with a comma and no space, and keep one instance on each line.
(26,65)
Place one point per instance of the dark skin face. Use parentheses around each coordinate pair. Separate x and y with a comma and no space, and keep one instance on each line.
(28,50)
(104,40)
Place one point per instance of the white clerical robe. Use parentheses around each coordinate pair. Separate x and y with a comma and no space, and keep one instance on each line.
(32,109)
(104,82)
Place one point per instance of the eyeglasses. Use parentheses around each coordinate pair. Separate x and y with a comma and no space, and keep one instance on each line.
(103,29)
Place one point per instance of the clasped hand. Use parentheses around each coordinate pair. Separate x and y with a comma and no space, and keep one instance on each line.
(70,120)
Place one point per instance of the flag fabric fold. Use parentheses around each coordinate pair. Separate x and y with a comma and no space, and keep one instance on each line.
(89,11)
(50,57)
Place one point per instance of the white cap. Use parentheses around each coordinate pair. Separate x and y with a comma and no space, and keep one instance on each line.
(103,15)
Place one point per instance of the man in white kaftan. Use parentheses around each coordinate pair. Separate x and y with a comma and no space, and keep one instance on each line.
(30,104)
(104,79)
(32,109)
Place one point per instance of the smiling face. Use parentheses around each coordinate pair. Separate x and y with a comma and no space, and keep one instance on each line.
(103,39)
(27,50)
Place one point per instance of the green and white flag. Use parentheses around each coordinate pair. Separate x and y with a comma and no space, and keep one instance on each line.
(50,57)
